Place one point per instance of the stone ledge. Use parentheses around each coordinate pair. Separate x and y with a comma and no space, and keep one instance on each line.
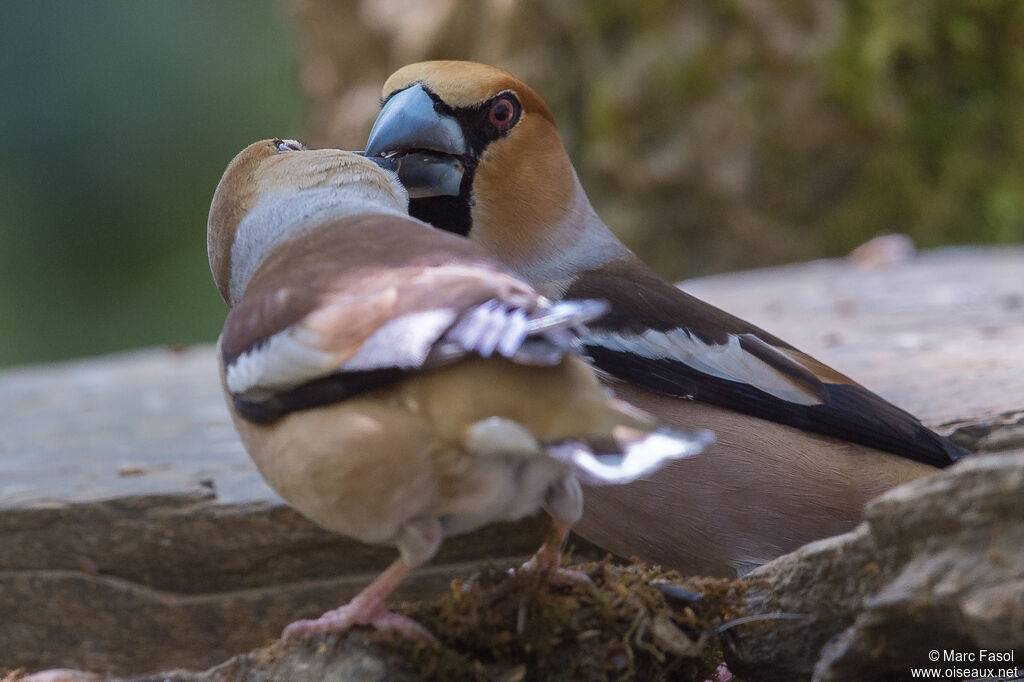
(122,475)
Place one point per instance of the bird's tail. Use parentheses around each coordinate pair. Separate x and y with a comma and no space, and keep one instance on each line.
(632,453)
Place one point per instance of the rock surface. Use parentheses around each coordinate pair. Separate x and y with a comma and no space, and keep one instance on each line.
(620,622)
(132,508)
(137,536)
(938,565)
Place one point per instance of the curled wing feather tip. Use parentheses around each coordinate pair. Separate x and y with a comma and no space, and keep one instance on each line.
(641,457)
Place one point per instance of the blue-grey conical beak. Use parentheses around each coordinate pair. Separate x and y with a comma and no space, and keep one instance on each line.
(429,145)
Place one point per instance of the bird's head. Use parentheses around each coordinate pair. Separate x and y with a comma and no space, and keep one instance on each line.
(274,190)
(480,155)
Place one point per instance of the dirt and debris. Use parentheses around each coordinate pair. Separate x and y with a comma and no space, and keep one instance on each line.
(602,621)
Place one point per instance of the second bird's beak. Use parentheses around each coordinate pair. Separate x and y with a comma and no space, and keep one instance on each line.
(429,146)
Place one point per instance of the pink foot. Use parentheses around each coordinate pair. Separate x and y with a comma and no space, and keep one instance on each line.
(558,574)
(366,608)
(722,674)
(561,576)
(344,618)
(549,558)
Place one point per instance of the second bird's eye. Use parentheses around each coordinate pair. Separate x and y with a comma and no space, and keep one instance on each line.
(289,145)
(502,113)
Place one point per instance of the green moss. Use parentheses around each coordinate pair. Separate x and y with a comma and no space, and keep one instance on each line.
(533,625)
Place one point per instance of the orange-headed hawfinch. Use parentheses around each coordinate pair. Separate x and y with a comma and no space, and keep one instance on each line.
(391,381)
(800,446)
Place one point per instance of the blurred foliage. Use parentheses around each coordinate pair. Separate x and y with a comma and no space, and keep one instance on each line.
(779,131)
(937,90)
(721,134)
(118,118)
(710,134)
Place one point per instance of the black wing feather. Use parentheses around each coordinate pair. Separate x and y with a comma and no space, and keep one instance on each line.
(847,412)
(323,391)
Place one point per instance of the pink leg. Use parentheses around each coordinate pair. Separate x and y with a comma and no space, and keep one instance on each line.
(549,556)
(366,608)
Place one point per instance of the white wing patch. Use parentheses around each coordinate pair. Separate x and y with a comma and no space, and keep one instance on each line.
(285,360)
(296,355)
(726,361)
(402,342)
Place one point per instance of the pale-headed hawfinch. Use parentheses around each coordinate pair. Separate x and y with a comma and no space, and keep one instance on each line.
(391,381)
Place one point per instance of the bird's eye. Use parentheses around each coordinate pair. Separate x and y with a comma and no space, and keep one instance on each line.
(289,145)
(502,113)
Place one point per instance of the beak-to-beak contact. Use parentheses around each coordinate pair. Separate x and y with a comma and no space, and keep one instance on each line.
(429,145)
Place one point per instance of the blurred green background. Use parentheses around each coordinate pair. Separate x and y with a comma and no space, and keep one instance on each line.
(711,134)
(118,119)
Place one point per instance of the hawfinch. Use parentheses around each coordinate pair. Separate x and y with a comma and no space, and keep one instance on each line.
(391,381)
(800,447)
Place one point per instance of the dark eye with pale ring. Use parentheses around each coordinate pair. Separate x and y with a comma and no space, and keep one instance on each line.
(502,113)
(289,146)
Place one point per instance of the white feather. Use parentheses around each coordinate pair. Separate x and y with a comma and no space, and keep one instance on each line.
(294,356)
(283,361)
(402,342)
(638,459)
(725,361)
